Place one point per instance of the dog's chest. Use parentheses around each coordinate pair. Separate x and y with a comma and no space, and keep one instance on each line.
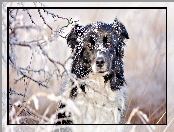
(99,101)
(97,90)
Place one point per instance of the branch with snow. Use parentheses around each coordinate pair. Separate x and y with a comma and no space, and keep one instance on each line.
(17,25)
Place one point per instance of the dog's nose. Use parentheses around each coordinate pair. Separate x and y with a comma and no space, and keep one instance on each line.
(100,61)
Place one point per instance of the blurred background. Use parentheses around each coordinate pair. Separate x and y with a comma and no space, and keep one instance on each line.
(144,61)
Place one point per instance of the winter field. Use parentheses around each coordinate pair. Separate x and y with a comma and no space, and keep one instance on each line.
(37,57)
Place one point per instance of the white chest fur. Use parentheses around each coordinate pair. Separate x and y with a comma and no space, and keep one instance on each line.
(100,103)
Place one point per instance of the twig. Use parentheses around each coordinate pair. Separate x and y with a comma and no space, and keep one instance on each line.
(44,20)
(30,17)
(161,117)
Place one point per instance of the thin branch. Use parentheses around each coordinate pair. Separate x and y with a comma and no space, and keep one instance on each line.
(30,17)
(44,20)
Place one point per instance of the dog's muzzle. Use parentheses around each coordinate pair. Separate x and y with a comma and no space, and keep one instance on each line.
(100,61)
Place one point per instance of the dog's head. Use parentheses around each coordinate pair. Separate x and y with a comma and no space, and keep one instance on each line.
(97,48)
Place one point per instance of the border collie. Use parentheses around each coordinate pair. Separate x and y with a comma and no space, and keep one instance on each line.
(97,53)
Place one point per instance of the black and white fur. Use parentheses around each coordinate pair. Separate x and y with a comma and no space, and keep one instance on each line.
(97,53)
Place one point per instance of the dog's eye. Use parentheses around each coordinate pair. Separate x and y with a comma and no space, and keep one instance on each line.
(92,41)
(105,39)
(86,60)
(89,45)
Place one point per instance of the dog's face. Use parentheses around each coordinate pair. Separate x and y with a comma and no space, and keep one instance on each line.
(97,47)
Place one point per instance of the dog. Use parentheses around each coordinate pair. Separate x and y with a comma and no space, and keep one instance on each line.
(97,66)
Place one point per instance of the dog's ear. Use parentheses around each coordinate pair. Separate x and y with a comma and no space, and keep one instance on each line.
(120,29)
(76,32)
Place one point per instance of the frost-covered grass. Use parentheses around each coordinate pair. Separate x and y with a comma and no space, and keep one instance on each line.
(45,52)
